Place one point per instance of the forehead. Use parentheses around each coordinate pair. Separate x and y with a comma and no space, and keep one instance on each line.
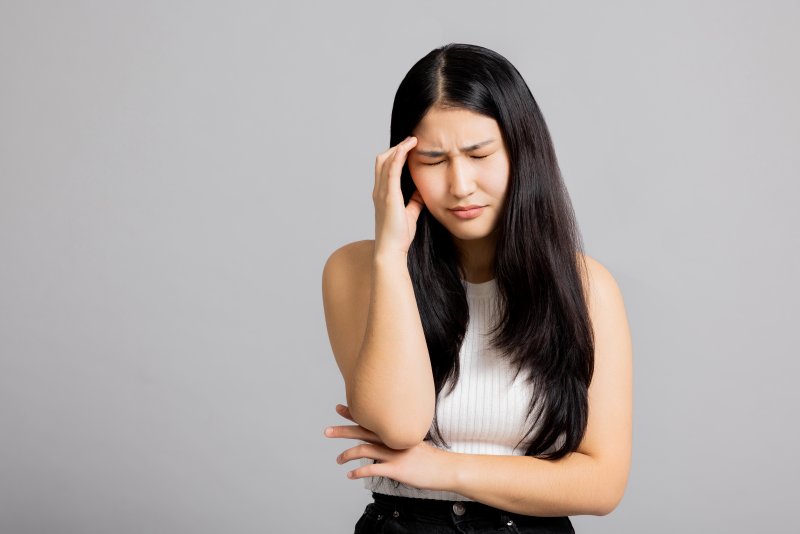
(450,128)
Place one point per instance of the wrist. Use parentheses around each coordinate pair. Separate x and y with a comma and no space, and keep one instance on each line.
(390,259)
(451,479)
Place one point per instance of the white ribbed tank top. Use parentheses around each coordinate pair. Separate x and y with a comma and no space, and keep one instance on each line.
(486,412)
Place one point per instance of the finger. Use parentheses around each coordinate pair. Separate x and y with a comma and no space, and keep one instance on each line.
(415,205)
(372,470)
(344,411)
(378,453)
(353,432)
(380,159)
(393,166)
(378,166)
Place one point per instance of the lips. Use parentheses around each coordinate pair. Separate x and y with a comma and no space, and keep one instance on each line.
(465,208)
(466,213)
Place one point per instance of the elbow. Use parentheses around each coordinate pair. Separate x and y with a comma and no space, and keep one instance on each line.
(395,435)
(400,443)
(402,440)
(610,482)
(404,434)
(396,431)
(604,509)
(610,503)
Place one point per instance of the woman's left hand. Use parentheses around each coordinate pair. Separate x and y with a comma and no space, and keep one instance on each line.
(422,466)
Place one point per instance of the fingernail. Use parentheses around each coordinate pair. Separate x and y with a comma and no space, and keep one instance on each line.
(328,430)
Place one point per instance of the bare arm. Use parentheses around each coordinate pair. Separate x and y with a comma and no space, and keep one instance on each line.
(392,386)
(592,479)
(383,357)
(573,485)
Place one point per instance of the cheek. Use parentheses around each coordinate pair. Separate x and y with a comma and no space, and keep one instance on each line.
(499,182)
(427,197)
(425,187)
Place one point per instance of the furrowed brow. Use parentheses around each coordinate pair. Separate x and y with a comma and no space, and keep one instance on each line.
(438,153)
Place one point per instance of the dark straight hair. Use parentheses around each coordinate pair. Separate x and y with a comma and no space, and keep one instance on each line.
(544,326)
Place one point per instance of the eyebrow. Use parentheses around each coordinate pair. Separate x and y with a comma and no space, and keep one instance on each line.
(437,153)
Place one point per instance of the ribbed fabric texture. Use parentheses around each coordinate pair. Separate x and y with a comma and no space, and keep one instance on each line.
(486,412)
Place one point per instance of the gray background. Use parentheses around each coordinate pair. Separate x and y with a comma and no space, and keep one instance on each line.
(173,176)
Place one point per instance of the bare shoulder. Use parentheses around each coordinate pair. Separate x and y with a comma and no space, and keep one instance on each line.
(346,276)
(606,308)
(600,286)
(352,260)
(346,287)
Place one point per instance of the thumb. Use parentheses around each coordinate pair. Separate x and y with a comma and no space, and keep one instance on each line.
(415,205)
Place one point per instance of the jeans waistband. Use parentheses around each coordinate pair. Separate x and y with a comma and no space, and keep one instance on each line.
(439,508)
(436,511)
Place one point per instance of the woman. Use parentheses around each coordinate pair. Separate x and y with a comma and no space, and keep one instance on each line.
(487,361)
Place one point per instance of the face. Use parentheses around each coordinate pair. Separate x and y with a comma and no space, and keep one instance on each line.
(460,160)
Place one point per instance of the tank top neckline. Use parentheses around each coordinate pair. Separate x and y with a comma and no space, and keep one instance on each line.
(480,289)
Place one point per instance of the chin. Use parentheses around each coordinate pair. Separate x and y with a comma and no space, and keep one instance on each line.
(468,234)
(464,230)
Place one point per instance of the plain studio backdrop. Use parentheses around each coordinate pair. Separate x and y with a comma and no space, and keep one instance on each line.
(173,176)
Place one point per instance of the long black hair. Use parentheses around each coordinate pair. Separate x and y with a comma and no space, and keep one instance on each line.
(544,326)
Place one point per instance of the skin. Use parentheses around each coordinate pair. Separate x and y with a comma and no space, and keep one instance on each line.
(590,480)
(420,466)
(462,178)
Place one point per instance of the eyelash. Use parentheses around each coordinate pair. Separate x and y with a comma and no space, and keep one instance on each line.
(473,157)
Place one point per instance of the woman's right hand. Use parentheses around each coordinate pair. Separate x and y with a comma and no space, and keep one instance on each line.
(395,223)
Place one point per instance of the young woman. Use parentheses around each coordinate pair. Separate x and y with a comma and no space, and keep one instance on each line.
(487,361)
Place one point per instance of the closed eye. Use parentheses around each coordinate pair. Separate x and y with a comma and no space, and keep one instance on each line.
(473,157)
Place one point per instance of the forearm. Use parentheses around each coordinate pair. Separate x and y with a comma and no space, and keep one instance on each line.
(572,485)
(392,391)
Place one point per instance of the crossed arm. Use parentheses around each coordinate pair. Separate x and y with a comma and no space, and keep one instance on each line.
(574,485)
(590,480)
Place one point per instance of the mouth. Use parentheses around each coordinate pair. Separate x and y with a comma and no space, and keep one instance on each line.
(467,212)
(467,208)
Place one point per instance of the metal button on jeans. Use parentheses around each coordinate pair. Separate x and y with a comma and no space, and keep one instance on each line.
(459,508)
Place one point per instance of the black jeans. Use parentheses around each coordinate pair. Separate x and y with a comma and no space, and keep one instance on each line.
(405,515)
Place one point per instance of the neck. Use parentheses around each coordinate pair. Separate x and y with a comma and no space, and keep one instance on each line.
(476,257)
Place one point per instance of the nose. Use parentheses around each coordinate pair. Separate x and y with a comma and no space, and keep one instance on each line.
(462,183)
